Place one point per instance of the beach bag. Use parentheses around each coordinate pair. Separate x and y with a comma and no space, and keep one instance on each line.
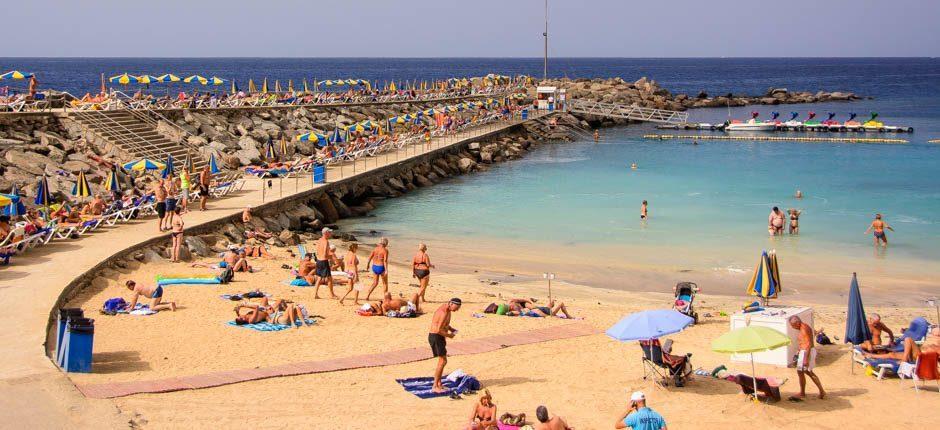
(491,309)
(822,339)
(226,276)
(113,306)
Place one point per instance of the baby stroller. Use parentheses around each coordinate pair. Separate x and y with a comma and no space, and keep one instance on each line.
(685,296)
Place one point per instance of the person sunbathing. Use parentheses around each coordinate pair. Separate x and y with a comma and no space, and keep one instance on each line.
(909,354)
(528,307)
(399,305)
(876,327)
(241,263)
(483,416)
(307,269)
(257,251)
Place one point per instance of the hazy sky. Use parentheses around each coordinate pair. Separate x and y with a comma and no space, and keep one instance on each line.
(470,28)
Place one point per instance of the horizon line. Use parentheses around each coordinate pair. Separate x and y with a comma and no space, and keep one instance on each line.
(471,57)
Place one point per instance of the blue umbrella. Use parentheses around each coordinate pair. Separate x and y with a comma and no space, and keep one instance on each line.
(213,166)
(16,207)
(168,170)
(43,197)
(856,325)
(649,325)
(337,137)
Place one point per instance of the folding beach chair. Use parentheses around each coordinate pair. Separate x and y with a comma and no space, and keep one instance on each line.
(653,364)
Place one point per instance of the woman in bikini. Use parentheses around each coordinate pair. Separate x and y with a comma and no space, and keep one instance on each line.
(351,265)
(378,263)
(484,413)
(176,225)
(421,269)
(795,221)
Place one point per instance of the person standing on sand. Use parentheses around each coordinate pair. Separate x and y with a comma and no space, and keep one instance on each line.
(176,226)
(421,269)
(775,222)
(205,177)
(640,416)
(324,257)
(437,337)
(806,358)
(879,226)
(351,266)
(644,210)
(159,192)
(378,263)
(155,293)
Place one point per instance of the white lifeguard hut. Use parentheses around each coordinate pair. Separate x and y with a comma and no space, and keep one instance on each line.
(546,97)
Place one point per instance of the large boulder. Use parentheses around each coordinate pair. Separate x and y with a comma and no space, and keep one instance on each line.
(196,245)
(248,156)
(325,206)
(30,162)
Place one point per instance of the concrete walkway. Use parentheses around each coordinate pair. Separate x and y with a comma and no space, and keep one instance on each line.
(388,358)
(33,282)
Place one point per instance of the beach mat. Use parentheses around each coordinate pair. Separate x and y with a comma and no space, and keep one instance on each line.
(266,326)
(421,386)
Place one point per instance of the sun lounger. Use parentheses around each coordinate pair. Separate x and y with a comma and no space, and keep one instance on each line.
(924,369)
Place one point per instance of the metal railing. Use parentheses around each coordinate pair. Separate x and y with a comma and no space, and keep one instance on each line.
(100,123)
(635,113)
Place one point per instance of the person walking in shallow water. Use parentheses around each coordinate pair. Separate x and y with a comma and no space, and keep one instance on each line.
(644,214)
(879,226)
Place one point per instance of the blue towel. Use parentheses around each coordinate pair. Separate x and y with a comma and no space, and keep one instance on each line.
(300,282)
(266,326)
(421,387)
(188,281)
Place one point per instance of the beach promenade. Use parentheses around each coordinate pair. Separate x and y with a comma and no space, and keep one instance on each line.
(33,392)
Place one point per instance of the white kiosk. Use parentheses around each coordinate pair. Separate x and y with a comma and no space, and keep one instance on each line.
(775,318)
(545,98)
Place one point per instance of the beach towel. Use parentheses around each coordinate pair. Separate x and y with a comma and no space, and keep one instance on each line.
(188,281)
(927,366)
(266,326)
(421,386)
(299,282)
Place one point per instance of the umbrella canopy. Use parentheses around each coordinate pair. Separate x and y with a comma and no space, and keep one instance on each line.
(168,167)
(16,74)
(43,196)
(750,339)
(251,87)
(213,166)
(856,324)
(16,206)
(123,79)
(763,283)
(5,200)
(144,164)
(169,77)
(321,139)
(147,79)
(112,183)
(337,137)
(81,188)
(647,325)
(215,80)
(196,79)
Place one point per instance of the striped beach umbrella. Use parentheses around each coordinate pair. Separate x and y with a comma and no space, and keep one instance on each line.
(762,283)
(251,87)
(283,147)
(216,81)
(234,87)
(5,201)
(213,166)
(269,151)
(167,78)
(277,86)
(16,74)
(337,137)
(43,196)
(81,187)
(112,183)
(144,164)
(196,79)
(123,79)
(320,139)
(168,167)
(264,86)
(147,79)
(16,206)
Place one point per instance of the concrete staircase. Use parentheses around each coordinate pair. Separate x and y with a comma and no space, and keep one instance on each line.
(135,132)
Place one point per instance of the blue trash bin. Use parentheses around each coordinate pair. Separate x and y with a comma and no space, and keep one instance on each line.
(61,332)
(78,350)
(525,114)
(319,173)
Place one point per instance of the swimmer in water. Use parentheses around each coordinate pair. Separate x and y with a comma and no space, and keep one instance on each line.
(643,210)
(879,226)
(597,136)
(799,194)
(633,166)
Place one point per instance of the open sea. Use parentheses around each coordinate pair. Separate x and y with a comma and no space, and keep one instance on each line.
(708,202)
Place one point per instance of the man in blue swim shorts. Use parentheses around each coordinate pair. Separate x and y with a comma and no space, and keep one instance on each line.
(154,293)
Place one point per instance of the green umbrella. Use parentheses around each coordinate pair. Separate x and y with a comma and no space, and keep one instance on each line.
(748,340)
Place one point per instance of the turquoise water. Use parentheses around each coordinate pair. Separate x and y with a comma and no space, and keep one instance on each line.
(713,196)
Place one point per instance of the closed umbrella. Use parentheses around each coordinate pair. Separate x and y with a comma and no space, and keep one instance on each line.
(269,152)
(112,183)
(264,86)
(647,325)
(43,196)
(213,166)
(306,90)
(251,87)
(188,164)
(337,137)
(748,340)
(856,324)
(168,167)
(81,187)
(234,87)
(277,86)
(283,147)
(762,283)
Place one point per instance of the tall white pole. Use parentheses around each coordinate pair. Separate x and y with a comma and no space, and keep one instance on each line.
(545,35)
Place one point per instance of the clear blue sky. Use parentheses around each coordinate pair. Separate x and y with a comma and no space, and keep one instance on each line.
(470,28)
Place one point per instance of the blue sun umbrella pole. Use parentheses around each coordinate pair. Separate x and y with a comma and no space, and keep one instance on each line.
(168,169)
(43,196)
(856,324)
(213,165)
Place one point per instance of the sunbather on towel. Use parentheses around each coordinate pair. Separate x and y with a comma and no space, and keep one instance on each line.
(307,269)
(281,312)
(528,307)
(876,327)
(399,305)
(154,293)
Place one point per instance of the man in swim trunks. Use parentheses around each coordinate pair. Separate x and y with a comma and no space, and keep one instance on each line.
(171,193)
(205,177)
(378,264)
(775,222)
(437,337)
(421,269)
(879,226)
(324,256)
(806,358)
(390,304)
(159,192)
(307,269)
(154,293)
(644,210)
(875,326)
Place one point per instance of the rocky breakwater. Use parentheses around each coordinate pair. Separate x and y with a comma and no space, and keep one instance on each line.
(648,93)
(299,221)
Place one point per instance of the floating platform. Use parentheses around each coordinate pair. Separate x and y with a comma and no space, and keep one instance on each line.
(819,128)
(934,141)
(776,138)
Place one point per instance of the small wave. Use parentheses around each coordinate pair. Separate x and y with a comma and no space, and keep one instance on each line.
(730,269)
(909,219)
(694,194)
(556,160)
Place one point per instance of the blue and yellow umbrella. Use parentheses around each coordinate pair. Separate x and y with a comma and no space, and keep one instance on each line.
(5,200)
(765,282)
(196,79)
(337,137)
(16,206)
(147,79)
(167,78)
(81,187)
(112,183)
(144,164)
(43,196)
(16,74)
(213,166)
(216,81)
(320,139)
(269,152)
(167,167)
(234,87)
(251,87)
(123,79)
(264,86)
(283,147)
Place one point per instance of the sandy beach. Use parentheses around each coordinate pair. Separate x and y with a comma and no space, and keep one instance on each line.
(586,379)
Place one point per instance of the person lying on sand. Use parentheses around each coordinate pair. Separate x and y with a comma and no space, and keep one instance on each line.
(257,250)
(282,312)
(528,307)
(400,305)
(154,293)
(307,269)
